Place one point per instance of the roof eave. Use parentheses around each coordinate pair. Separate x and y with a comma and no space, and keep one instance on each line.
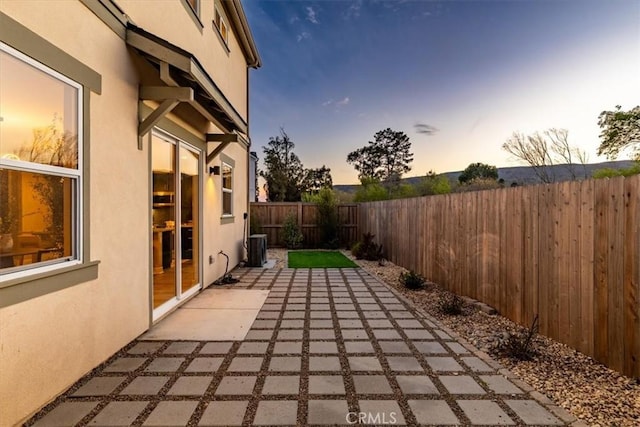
(236,12)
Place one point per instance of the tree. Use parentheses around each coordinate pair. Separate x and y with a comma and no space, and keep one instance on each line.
(611,173)
(283,172)
(433,184)
(478,184)
(620,129)
(477,171)
(543,150)
(327,218)
(317,179)
(386,158)
(370,191)
(403,191)
(366,162)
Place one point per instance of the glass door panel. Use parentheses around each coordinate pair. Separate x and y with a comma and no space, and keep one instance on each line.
(164,220)
(189,218)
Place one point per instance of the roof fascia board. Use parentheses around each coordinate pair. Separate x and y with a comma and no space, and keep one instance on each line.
(110,14)
(236,11)
(163,53)
(205,81)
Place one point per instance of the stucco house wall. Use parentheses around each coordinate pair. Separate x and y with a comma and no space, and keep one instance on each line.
(49,339)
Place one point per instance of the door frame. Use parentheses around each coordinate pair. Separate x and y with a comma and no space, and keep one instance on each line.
(180,297)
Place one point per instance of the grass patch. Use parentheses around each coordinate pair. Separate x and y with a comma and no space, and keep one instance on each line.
(318,259)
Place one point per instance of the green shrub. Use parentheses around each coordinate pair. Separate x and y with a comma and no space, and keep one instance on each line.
(412,280)
(450,304)
(291,234)
(433,184)
(356,250)
(367,248)
(520,346)
(371,190)
(327,218)
(612,173)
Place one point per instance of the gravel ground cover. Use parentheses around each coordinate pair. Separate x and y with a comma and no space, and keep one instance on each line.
(589,390)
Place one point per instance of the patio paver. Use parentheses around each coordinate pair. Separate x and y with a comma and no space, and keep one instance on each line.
(171,414)
(338,340)
(224,413)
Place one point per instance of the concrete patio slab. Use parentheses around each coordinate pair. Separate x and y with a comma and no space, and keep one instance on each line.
(433,412)
(168,414)
(277,412)
(118,414)
(203,325)
(230,299)
(532,413)
(482,412)
(328,412)
(225,413)
(67,414)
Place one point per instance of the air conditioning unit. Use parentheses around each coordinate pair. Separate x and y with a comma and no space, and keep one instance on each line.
(257,250)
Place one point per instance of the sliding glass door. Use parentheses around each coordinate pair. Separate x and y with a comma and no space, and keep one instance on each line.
(175,238)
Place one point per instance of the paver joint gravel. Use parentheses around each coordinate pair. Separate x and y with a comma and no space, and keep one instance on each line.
(329,347)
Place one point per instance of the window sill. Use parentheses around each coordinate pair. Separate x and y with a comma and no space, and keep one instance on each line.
(22,289)
(227,219)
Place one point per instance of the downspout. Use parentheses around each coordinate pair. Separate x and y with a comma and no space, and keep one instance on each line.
(247,216)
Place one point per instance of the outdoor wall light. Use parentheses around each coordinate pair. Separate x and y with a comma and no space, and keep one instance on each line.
(214,170)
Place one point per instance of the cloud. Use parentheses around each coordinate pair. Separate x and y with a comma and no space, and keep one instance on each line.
(303,36)
(312,15)
(353,11)
(425,129)
(338,104)
(293,19)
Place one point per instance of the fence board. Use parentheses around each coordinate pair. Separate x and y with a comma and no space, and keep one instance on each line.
(586,230)
(574,291)
(615,281)
(632,276)
(567,252)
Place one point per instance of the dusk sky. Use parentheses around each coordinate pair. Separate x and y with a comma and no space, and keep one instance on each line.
(336,72)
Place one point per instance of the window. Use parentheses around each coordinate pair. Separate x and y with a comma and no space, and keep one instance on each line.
(227,190)
(221,26)
(40,165)
(194,6)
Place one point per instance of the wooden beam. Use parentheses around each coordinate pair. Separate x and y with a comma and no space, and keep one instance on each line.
(161,93)
(221,137)
(217,151)
(153,118)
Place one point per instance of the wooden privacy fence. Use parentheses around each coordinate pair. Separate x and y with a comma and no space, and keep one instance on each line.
(269,218)
(569,252)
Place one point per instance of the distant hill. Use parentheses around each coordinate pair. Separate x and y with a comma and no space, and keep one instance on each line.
(523,175)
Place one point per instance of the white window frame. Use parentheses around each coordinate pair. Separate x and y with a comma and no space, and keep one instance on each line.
(75,175)
(195,10)
(226,190)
